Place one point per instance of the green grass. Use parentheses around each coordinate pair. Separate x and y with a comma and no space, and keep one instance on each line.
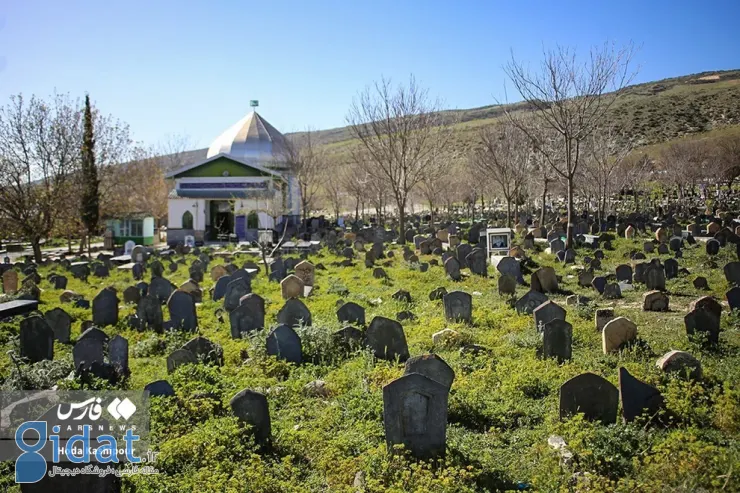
(502,407)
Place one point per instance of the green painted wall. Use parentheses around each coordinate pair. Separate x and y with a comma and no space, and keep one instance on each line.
(217,167)
(139,240)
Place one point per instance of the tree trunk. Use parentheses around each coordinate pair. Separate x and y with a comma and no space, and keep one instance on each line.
(401,223)
(357,209)
(431,212)
(569,229)
(36,245)
(83,241)
(508,213)
(544,199)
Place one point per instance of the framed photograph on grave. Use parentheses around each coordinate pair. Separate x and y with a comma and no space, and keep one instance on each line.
(499,241)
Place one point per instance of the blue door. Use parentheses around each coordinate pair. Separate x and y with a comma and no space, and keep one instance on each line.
(240,227)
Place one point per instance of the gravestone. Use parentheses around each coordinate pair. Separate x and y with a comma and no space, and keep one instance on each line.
(624,273)
(235,290)
(700,283)
(654,277)
(546,312)
(712,247)
(204,351)
(733,298)
(36,339)
(292,287)
(452,268)
(118,354)
(191,287)
(59,282)
(662,249)
(294,313)
(675,243)
(458,306)
(506,285)
(671,268)
(402,295)
(161,288)
(159,388)
(437,294)
(599,284)
(180,357)
(60,323)
(462,251)
(284,344)
(217,272)
(637,397)
(351,313)
(617,333)
(602,317)
(544,280)
(156,268)
(219,289)
(182,311)
(10,282)
(591,395)
(387,339)
(557,340)
(349,339)
(585,278)
(527,303)
(732,272)
(131,295)
(87,351)
(655,301)
(509,266)
(681,363)
(612,291)
(248,316)
(251,407)
(704,323)
(557,245)
(105,308)
(415,415)
(306,272)
(149,312)
(431,366)
(100,270)
(137,271)
(477,262)
(648,247)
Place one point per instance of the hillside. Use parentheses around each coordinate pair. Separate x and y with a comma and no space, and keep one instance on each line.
(652,112)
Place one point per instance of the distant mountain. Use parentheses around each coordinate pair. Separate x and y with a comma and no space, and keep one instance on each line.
(651,113)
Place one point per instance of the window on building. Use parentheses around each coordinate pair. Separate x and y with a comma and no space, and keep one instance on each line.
(253,221)
(187,220)
(132,228)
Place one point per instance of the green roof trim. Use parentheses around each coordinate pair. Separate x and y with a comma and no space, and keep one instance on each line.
(220,167)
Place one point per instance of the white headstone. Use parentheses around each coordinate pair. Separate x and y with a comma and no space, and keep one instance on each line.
(128,247)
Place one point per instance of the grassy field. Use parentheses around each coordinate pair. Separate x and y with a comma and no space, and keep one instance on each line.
(503,406)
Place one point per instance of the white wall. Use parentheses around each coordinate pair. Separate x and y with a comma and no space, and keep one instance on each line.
(177,207)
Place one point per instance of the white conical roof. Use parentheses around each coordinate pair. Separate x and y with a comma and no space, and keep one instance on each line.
(250,138)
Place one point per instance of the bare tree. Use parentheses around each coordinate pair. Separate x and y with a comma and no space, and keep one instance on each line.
(304,159)
(333,190)
(728,158)
(632,174)
(173,151)
(684,164)
(137,186)
(403,135)
(605,151)
(353,179)
(569,97)
(39,152)
(504,155)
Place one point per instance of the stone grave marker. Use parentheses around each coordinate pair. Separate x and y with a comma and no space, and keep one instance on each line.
(87,351)
(59,282)
(654,277)
(602,317)
(546,312)
(655,301)
(415,415)
(387,339)
(616,333)
(251,407)
(732,272)
(733,298)
(637,397)
(557,340)
(712,247)
(477,262)
(294,313)
(702,322)
(671,268)
(306,271)
(205,351)
(431,366)
(60,323)
(36,339)
(452,268)
(182,311)
(506,285)
(284,344)
(219,289)
(591,395)
(161,288)
(131,295)
(544,280)
(509,266)
(351,313)
(612,291)
(624,273)
(105,308)
(292,287)
(462,251)
(159,388)
(118,353)
(149,312)
(458,306)
(235,290)
(10,282)
(180,357)
(531,300)
(248,316)
(682,363)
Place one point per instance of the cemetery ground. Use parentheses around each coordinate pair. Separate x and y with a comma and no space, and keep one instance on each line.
(503,405)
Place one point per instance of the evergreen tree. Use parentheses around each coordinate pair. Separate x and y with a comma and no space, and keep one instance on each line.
(90,203)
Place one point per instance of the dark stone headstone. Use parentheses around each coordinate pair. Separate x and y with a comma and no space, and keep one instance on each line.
(219,289)
(458,306)
(351,313)
(294,313)
(87,351)
(702,321)
(235,290)
(387,339)
(36,339)
(591,395)
(182,311)
(105,308)
(546,312)
(531,300)
(637,397)
(624,273)
(251,407)
(670,267)
(557,340)
(118,354)
(161,288)
(284,344)
(60,322)
(149,312)
(159,388)
(415,415)
(431,366)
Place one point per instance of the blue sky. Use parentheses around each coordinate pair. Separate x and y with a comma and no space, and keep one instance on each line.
(191,67)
